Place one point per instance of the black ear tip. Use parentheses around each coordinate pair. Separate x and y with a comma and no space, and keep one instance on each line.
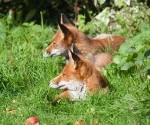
(63,28)
(74,56)
(75,49)
(62,14)
(64,19)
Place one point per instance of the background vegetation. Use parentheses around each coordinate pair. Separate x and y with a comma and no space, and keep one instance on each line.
(26,29)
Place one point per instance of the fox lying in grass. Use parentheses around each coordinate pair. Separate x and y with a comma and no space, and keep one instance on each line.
(89,47)
(78,77)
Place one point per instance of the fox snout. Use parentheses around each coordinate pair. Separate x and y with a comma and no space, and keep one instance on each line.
(53,85)
(56,85)
(46,54)
(55,52)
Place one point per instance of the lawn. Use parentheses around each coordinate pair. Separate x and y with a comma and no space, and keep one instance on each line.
(24,78)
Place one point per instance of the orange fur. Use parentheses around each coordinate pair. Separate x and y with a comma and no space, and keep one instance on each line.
(89,47)
(101,60)
(64,94)
(78,123)
(81,70)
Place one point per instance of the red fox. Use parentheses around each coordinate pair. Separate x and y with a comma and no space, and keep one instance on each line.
(78,77)
(68,34)
(89,47)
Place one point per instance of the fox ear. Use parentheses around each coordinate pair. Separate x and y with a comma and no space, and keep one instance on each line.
(75,49)
(64,19)
(64,29)
(73,58)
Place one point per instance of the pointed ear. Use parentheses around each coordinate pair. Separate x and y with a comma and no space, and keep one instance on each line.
(64,29)
(64,19)
(75,49)
(73,58)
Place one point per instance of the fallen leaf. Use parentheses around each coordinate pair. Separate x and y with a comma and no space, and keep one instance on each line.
(78,123)
(10,110)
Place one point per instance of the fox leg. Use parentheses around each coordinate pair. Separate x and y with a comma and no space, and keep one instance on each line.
(64,94)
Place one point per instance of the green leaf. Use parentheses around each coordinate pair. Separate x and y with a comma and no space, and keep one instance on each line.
(101,1)
(148,74)
(145,35)
(28,24)
(123,60)
(125,46)
(144,26)
(143,86)
(139,59)
(10,17)
(3,36)
(104,71)
(119,3)
(104,16)
(148,12)
(30,14)
(147,53)
(36,28)
(127,65)
(138,47)
(117,59)
(95,2)
(128,2)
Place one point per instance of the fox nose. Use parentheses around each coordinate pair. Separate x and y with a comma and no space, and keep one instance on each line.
(46,54)
(51,82)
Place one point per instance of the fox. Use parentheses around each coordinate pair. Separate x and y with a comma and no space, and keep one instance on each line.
(78,78)
(91,48)
(68,34)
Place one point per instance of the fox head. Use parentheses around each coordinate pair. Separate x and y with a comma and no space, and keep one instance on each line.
(69,75)
(69,79)
(62,40)
(76,72)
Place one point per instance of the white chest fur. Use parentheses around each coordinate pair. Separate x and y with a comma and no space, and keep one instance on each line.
(77,90)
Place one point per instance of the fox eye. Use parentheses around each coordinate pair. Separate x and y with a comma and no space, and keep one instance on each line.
(63,74)
(53,42)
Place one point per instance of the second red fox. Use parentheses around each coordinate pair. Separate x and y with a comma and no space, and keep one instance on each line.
(89,47)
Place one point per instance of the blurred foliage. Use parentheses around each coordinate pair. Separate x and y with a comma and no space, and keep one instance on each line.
(134,54)
(25,10)
(127,20)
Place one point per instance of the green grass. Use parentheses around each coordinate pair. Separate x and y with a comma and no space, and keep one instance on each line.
(24,78)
